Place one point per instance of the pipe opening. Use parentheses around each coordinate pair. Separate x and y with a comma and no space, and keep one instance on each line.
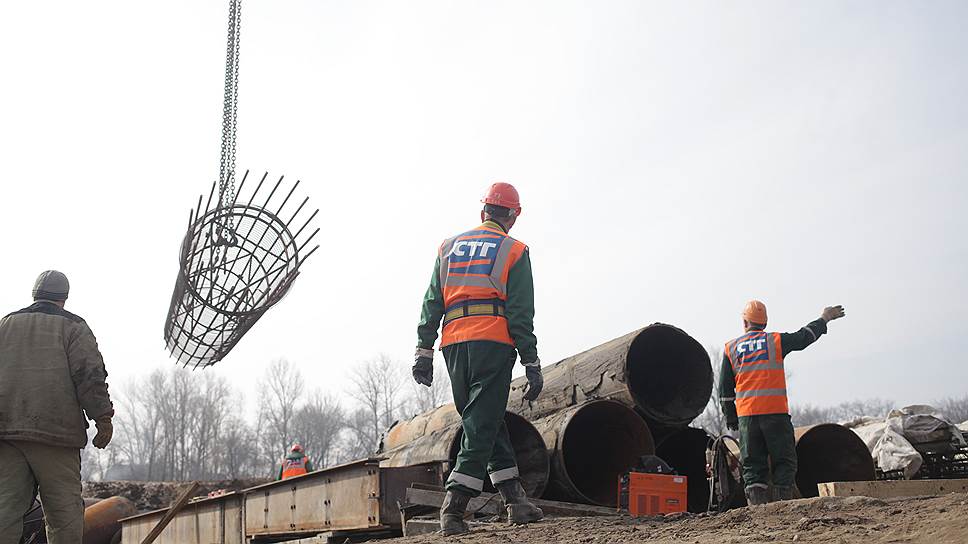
(669,375)
(529,452)
(685,451)
(601,441)
(831,453)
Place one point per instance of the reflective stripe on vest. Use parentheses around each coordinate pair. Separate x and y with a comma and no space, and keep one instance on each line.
(293,467)
(473,276)
(757,362)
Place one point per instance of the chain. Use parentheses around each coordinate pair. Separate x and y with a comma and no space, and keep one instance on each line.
(226,188)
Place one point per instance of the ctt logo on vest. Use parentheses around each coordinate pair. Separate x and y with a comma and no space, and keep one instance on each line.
(749,346)
(469,248)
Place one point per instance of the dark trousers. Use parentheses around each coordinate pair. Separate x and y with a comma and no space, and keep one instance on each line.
(480,377)
(767,441)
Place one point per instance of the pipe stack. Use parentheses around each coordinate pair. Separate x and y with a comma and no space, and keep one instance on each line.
(594,420)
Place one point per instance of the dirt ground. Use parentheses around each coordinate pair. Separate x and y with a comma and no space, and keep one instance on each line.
(830,520)
(155,495)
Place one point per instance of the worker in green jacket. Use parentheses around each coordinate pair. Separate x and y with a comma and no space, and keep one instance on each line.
(752,389)
(482,290)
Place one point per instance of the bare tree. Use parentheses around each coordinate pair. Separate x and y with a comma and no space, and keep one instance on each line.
(423,399)
(376,387)
(806,414)
(955,409)
(239,454)
(317,425)
(278,401)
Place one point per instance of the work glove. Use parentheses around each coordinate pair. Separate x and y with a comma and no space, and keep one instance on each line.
(535,379)
(423,367)
(105,430)
(732,423)
(832,312)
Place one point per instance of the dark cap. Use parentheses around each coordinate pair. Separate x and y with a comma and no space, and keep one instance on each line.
(51,285)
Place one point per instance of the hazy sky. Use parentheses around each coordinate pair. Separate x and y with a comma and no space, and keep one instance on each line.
(674,160)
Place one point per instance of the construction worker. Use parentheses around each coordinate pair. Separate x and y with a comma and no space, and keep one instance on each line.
(295,463)
(752,390)
(52,376)
(482,289)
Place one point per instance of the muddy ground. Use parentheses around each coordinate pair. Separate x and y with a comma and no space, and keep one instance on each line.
(830,520)
(155,495)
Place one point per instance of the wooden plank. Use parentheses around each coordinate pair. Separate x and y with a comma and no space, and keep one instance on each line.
(489,504)
(887,489)
(170,514)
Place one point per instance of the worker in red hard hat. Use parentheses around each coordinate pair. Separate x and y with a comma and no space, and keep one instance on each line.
(483,291)
(752,390)
(296,463)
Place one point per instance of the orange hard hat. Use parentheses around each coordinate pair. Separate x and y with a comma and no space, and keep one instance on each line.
(504,195)
(297,447)
(755,312)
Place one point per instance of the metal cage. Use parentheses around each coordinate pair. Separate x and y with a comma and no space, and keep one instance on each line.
(236,261)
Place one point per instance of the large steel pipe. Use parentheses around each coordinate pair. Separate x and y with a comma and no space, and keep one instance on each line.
(436,436)
(830,453)
(685,451)
(590,445)
(659,370)
(102,520)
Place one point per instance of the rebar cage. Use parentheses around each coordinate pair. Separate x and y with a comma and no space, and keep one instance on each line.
(237,261)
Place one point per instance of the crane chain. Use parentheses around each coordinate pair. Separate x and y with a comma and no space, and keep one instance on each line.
(226,188)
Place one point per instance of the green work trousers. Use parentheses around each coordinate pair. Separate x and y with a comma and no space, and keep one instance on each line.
(480,377)
(25,466)
(767,441)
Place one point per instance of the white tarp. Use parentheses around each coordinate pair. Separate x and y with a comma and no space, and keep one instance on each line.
(889,439)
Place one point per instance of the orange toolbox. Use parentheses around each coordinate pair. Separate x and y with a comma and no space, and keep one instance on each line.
(644,494)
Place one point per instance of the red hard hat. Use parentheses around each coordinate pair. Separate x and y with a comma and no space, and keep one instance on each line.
(297,447)
(755,312)
(504,195)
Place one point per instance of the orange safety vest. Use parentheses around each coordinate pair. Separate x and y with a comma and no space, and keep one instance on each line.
(293,467)
(757,361)
(474,279)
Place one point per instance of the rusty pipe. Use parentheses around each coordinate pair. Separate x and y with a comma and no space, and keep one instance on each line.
(659,370)
(101,520)
(435,436)
(590,445)
(829,452)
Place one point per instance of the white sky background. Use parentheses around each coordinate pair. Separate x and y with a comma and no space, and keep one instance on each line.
(674,160)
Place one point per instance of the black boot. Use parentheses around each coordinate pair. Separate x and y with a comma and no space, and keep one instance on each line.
(784,493)
(757,494)
(452,513)
(520,509)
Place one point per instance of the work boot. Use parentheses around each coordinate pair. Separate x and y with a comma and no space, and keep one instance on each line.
(757,494)
(452,513)
(520,509)
(784,493)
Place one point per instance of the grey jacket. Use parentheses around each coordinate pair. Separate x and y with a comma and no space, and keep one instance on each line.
(51,374)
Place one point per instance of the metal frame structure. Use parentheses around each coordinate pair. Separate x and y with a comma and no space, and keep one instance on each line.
(358,497)
(237,260)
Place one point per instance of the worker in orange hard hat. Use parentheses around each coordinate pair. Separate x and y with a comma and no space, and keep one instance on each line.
(483,291)
(752,390)
(295,464)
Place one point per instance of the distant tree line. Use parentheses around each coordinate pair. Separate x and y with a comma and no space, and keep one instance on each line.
(178,424)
